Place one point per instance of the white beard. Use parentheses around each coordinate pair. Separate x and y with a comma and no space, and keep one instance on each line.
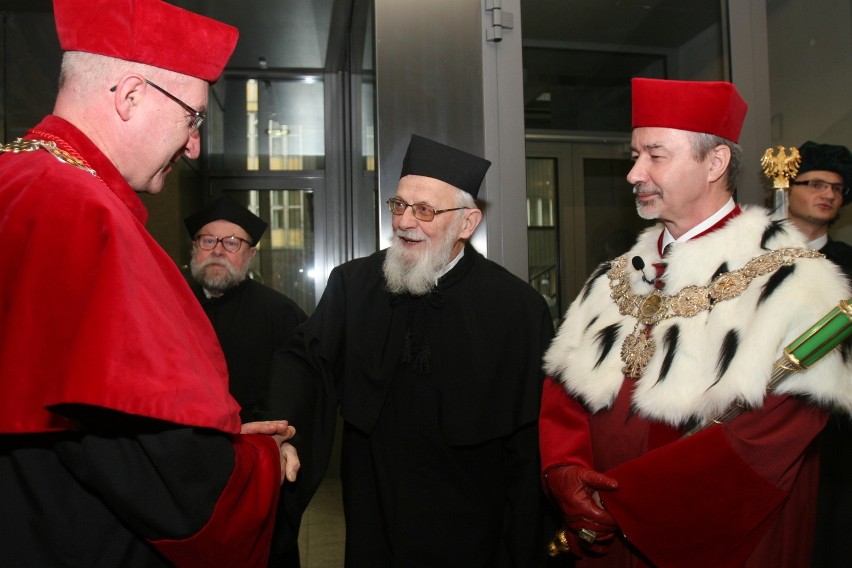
(217,284)
(417,276)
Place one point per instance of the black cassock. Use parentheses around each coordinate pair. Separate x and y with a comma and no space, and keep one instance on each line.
(834,505)
(252,321)
(440,397)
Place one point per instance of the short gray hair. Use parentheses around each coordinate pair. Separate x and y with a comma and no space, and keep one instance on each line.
(703,143)
(90,71)
(464,199)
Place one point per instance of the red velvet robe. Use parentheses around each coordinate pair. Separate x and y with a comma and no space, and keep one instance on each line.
(94,317)
(739,494)
(710,500)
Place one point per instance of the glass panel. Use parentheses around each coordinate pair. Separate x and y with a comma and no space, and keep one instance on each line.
(579,56)
(542,240)
(277,33)
(368,122)
(286,252)
(267,124)
(810,78)
(560,97)
(612,224)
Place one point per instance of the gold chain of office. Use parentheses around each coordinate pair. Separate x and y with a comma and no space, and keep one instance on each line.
(21,145)
(649,309)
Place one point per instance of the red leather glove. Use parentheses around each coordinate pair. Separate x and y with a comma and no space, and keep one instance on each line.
(575,488)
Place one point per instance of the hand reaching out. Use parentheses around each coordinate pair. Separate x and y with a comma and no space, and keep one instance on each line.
(270,428)
(281,431)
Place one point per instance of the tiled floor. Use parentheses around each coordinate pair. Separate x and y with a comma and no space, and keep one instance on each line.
(321,535)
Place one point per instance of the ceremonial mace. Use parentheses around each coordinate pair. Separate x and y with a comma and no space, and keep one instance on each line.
(780,168)
(820,339)
(811,346)
(823,336)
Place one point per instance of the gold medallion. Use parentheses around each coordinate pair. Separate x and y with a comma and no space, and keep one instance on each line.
(650,309)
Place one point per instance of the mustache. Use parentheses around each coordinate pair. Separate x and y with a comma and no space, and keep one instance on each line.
(411,235)
(216,262)
(643,189)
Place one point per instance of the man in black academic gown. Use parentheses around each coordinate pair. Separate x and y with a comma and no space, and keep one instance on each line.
(821,188)
(251,321)
(433,355)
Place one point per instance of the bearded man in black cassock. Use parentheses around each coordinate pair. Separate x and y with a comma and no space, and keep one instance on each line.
(251,321)
(433,355)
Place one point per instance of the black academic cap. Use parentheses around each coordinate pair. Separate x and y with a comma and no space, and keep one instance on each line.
(432,159)
(828,158)
(226,209)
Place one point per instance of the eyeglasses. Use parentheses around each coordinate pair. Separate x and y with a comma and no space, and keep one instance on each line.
(422,212)
(230,244)
(820,185)
(196,118)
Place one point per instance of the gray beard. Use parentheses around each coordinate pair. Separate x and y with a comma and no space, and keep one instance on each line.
(216,284)
(416,277)
(647,215)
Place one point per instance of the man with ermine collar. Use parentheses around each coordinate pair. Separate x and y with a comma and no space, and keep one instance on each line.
(671,334)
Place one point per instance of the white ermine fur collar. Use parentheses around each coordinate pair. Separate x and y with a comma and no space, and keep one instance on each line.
(705,362)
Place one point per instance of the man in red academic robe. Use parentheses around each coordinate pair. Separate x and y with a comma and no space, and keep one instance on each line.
(673,333)
(120,445)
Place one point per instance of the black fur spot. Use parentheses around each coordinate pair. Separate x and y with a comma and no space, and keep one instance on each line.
(775,282)
(774,228)
(606,340)
(591,323)
(670,343)
(601,270)
(729,348)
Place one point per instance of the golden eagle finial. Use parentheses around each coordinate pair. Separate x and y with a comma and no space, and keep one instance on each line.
(781,167)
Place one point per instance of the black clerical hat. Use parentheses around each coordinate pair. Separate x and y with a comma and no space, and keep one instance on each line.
(226,209)
(828,158)
(432,159)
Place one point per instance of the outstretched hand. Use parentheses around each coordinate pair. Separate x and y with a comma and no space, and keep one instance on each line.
(270,428)
(281,431)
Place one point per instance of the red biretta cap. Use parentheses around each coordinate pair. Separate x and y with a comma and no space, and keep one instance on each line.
(146,31)
(711,107)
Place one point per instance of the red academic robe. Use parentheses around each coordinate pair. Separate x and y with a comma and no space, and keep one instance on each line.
(94,315)
(731,495)
(737,494)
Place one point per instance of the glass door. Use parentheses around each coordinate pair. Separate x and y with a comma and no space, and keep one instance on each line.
(286,252)
(580,212)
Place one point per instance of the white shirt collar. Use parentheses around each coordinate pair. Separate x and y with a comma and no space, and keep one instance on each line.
(818,243)
(450,266)
(700,227)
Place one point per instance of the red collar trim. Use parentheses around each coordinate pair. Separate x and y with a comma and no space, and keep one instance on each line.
(718,225)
